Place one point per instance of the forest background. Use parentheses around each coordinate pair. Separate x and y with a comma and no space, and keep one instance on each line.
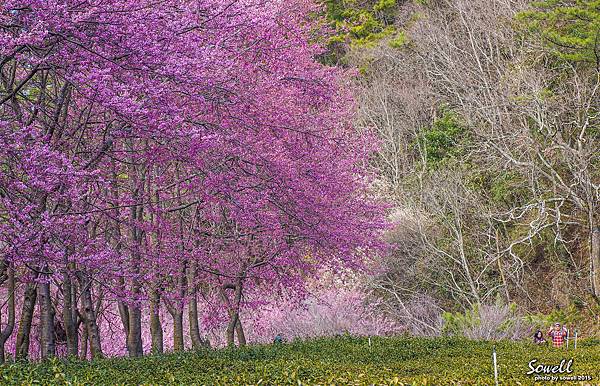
(487,114)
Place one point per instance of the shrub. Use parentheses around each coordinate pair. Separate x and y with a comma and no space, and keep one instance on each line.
(488,322)
(330,311)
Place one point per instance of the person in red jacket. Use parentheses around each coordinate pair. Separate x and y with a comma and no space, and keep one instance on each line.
(557,334)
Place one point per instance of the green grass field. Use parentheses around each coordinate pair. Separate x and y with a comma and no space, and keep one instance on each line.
(339,361)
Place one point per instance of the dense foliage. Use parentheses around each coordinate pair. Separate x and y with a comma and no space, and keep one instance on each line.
(180,155)
(342,360)
(357,24)
(570,28)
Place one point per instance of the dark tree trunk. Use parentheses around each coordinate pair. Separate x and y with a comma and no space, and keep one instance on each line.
(177,315)
(134,338)
(156,331)
(69,315)
(230,332)
(176,312)
(178,331)
(47,343)
(89,317)
(240,332)
(155,325)
(22,343)
(123,310)
(233,308)
(197,341)
(10,323)
(83,353)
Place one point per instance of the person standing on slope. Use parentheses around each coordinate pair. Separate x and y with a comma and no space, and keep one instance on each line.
(557,334)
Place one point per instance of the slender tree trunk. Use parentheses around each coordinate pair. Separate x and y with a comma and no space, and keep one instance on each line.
(458,230)
(234,328)
(84,342)
(196,338)
(123,310)
(10,323)
(156,331)
(178,330)
(177,315)
(501,269)
(177,312)
(193,308)
(230,332)
(68,320)
(240,331)
(47,343)
(155,325)
(89,316)
(134,313)
(134,336)
(75,313)
(22,343)
(595,261)
(197,341)
(234,324)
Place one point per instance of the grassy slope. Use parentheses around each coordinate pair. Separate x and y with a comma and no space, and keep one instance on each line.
(324,361)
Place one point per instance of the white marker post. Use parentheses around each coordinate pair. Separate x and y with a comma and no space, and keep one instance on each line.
(495,366)
(369,343)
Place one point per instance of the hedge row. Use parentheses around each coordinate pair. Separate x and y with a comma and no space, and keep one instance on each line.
(342,361)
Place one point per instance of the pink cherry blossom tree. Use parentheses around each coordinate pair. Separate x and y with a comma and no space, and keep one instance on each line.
(174,155)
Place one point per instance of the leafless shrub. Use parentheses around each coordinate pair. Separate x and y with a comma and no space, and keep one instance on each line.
(493,322)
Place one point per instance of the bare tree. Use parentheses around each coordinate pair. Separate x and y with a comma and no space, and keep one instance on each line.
(530,120)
